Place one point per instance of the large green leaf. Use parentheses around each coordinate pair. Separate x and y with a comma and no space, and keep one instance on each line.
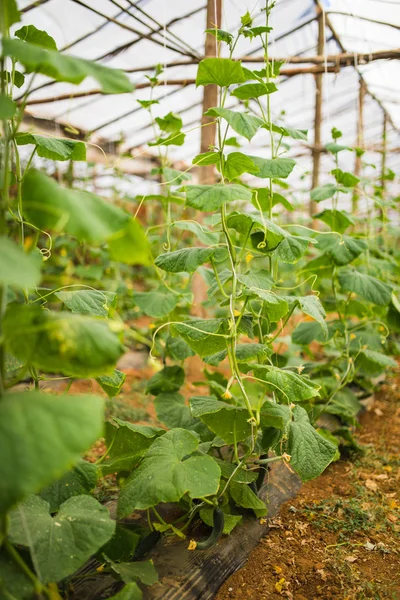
(243,123)
(187,259)
(127,443)
(14,583)
(253,90)
(338,220)
(206,236)
(371,363)
(269,235)
(312,306)
(306,332)
(227,421)
(260,280)
(345,178)
(295,134)
(221,71)
(168,472)
(8,107)
(173,411)
(310,452)
(275,306)
(204,336)
(244,496)
(61,544)
(71,344)
(130,245)
(273,168)
(157,303)
(131,591)
(209,198)
(88,302)
(169,379)
(85,215)
(292,248)
(244,352)
(366,286)
(63,67)
(238,163)
(81,479)
(16,267)
(130,572)
(112,384)
(288,386)
(42,436)
(341,250)
(9,14)
(29,33)
(52,147)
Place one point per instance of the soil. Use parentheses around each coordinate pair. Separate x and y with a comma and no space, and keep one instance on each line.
(340,537)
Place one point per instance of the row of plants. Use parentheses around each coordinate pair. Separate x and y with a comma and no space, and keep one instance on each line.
(297,317)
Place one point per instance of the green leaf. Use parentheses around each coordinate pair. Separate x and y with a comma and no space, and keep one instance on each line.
(14,583)
(130,572)
(206,236)
(62,67)
(204,336)
(173,412)
(80,480)
(29,33)
(19,79)
(274,415)
(130,245)
(157,303)
(310,452)
(335,148)
(312,306)
(221,35)
(130,591)
(244,352)
(261,280)
(17,268)
(112,384)
(88,302)
(50,206)
(295,134)
(171,123)
(366,286)
(66,343)
(230,521)
(243,496)
(323,192)
(270,235)
(61,544)
(122,545)
(371,363)
(127,443)
(178,349)
(276,308)
(221,71)
(274,168)
(169,379)
(206,158)
(341,250)
(262,198)
(227,421)
(288,386)
(52,147)
(168,472)
(174,139)
(306,332)
(42,437)
(9,14)
(292,248)
(209,198)
(8,107)
(187,259)
(344,178)
(243,123)
(236,164)
(253,90)
(338,220)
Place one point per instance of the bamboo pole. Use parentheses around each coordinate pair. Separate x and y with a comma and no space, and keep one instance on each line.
(316,154)
(359,143)
(210,94)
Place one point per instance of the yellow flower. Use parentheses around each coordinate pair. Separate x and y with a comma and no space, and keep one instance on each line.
(249,258)
(152,326)
(226,395)
(236,313)
(353,336)
(192,545)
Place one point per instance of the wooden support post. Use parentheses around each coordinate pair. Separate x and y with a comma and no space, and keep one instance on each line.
(316,153)
(359,143)
(210,96)
(383,167)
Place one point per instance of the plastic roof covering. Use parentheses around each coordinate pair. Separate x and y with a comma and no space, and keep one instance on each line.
(112,117)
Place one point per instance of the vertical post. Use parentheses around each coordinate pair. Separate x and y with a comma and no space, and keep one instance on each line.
(384,153)
(316,151)
(359,143)
(210,95)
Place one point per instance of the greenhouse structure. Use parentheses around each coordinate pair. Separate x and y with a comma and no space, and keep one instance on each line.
(199,299)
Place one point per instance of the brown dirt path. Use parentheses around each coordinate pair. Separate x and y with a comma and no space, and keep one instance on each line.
(340,537)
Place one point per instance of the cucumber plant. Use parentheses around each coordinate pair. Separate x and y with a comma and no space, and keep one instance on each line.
(210,456)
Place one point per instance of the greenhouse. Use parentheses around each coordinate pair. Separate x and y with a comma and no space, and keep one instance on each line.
(199,299)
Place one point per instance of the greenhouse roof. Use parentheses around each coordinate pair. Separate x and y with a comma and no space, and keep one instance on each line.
(136,36)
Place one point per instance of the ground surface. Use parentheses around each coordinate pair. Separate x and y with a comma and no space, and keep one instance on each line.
(340,537)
